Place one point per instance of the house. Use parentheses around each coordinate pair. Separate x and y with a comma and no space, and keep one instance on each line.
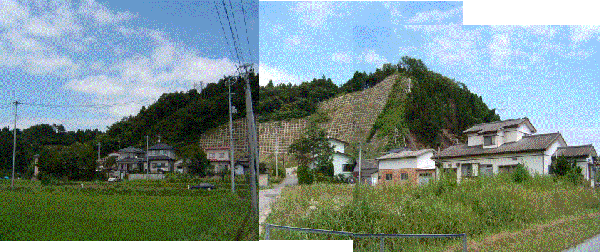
(130,160)
(219,158)
(343,164)
(416,167)
(161,158)
(584,156)
(368,171)
(500,146)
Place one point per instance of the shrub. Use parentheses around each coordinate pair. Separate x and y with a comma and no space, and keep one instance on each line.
(281,172)
(305,175)
(521,174)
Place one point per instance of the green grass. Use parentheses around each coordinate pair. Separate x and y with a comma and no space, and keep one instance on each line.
(477,207)
(129,210)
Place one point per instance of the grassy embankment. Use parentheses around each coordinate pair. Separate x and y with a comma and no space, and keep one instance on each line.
(482,208)
(128,210)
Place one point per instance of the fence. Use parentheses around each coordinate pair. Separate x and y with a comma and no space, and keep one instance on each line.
(145,176)
(381,237)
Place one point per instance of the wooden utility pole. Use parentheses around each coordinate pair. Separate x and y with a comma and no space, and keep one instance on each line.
(12,183)
(252,141)
(231,147)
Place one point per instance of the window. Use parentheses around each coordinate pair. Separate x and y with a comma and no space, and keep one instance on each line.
(388,176)
(507,168)
(221,155)
(348,167)
(403,176)
(486,170)
(466,170)
(212,155)
(488,140)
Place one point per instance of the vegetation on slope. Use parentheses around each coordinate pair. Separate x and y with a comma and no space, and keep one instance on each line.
(478,207)
(437,102)
(178,118)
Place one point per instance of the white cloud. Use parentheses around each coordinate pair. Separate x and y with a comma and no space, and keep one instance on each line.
(342,57)
(371,57)
(583,33)
(100,85)
(101,14)
(395,11)
(12,12)
(314,14)
(59,65)
(500,49)
(267,73)
(434,16)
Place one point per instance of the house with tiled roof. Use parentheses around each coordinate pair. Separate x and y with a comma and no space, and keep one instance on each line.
(500,146)
(161,158)
(584,156)
(402,166)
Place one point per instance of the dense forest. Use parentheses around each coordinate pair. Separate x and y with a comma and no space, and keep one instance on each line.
(178,118)
(435,102)
(288,101)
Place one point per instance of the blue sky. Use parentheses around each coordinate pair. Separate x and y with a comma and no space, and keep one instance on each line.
(547,73)
(119,53)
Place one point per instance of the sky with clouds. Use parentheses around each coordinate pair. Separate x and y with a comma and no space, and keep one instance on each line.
(546,73)
(120,53)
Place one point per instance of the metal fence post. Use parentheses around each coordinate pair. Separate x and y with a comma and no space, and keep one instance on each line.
(267,232)
(465,242)
(381,245)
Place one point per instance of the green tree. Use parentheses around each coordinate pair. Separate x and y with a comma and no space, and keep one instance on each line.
(314,147)
(195,159)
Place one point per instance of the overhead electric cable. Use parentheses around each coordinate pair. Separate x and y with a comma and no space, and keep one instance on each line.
(232,33)
(225,35)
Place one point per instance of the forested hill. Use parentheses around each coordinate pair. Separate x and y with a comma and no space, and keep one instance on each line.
(180,118)
(429,113)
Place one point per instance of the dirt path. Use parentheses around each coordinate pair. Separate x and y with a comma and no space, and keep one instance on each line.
(268,196)
(474,246)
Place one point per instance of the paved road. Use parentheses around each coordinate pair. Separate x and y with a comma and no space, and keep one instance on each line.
(592,244)
(268,196)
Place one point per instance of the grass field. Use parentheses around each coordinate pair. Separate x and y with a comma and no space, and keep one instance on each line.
(480,208)
(128,210)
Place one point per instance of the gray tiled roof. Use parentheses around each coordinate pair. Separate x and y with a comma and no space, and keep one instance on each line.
(161,157)
(526,144)
(495,126)
(161,146)
(576,151)
(405,154)
(131,149)
(367,164)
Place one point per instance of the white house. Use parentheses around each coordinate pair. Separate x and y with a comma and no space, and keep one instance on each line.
(407,166)
(499,146)
(342,162)
(584,156)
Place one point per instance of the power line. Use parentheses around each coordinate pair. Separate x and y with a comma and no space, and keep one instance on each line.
(247,35)
(232,33)
(224,33)
(236,29)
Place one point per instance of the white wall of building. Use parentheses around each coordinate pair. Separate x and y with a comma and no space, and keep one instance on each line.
(337,145)
(338,162)
(474,139)
(533,161)
(423,161)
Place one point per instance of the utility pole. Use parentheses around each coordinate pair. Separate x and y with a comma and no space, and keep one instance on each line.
(147,163)
(360,162)
(99,150)
(276,153)
(12,183)
(231,156)
(252,137)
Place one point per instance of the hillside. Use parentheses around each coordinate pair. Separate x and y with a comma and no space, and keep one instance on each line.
(410,107)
